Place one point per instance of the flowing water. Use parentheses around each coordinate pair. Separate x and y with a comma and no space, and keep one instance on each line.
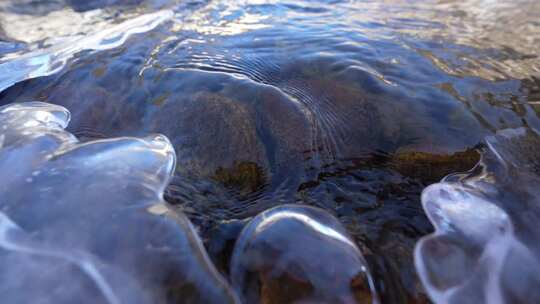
(354,107)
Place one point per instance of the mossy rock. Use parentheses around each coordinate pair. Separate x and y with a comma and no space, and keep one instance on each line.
(430,167)
(244,177)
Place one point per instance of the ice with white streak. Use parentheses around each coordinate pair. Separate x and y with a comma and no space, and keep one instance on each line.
(486,247)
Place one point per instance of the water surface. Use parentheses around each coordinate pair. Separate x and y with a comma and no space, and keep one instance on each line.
(351,106)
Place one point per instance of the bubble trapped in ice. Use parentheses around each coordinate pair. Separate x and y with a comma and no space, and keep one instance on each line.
(299,254)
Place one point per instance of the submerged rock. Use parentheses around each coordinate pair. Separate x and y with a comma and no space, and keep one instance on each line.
(247,140)
(245,177)
(430,167)
(357,112)
(299,254)
(86,222)
(210,131)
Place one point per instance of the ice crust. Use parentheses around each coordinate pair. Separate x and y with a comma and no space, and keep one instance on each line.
(87,223)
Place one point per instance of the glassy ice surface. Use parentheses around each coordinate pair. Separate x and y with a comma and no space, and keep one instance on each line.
(86,222)
(43,63)
(299,254)
(486,245)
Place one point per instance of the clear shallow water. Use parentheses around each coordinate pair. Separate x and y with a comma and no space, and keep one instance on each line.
(350,106)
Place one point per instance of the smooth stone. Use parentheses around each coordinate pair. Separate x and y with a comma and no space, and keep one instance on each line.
(210,131)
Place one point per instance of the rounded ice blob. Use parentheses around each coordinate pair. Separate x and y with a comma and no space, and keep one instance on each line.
(87,223)
(299,254)
(33,114)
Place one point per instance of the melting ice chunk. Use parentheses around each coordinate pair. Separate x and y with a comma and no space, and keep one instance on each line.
(486,248)
(299,254)
(49,61)
(78,221)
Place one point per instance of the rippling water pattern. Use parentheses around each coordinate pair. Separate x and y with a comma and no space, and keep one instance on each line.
(283,123)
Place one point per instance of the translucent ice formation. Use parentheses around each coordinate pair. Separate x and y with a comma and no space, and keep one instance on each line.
(299,254)
(51,60)
(486,248)
(86,222)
